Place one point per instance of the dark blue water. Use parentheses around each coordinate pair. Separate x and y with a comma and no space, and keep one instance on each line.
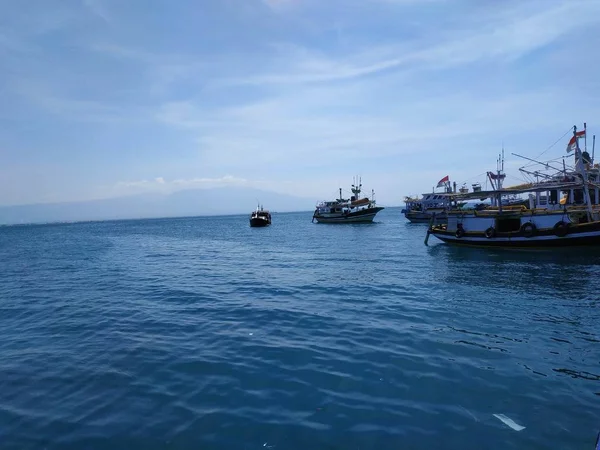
(205,333)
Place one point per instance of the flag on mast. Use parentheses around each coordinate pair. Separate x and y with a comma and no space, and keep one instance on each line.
(443,181)
(572,145)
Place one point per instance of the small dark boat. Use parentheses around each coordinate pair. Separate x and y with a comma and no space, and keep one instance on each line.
(260,217)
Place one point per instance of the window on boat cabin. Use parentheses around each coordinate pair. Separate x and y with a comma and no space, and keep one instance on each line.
(553,197)
(543,200)
(507,225)
(578,196)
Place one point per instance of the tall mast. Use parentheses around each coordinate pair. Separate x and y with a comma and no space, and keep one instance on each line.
(500,169)
(356,188)
(581,167)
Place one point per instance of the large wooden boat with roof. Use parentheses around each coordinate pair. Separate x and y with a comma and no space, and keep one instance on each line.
(562,210)
(421,210)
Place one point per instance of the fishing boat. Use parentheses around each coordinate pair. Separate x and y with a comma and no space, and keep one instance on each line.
(421,210)
(562,210)
(352,210)
(260,217)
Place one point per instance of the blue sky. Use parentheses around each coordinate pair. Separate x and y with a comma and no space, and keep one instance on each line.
(104,98)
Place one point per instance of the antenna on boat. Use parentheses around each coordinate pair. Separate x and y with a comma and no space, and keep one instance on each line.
(593,147)
(579,164)
(356,187)
(535,161)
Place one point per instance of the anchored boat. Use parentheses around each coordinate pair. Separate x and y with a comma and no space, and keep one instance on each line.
(562,210)
(260,217)
(352,210)
(421,210)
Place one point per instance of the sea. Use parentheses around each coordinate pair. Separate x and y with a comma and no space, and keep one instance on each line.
(204,333)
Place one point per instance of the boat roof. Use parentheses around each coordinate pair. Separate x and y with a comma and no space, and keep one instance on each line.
(518,189)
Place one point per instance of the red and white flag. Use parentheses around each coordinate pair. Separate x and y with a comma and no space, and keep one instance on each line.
(443,181)
(572,145)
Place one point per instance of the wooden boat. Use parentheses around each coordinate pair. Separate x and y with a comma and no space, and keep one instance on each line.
(260,217)
(352,210)
(563,211)
(421,210)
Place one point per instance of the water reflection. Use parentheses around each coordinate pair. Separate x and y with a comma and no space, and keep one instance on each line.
(570,273)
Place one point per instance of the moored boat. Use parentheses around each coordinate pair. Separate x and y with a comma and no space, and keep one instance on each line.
(260,217)
(421,210)
(562,210)
(352,210)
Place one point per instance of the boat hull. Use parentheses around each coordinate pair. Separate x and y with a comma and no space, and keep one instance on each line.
(257,222)
(425,218)
(363,216)
(579,235)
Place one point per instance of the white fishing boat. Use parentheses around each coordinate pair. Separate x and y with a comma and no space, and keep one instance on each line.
(352,210)
(421,210)
(562,210)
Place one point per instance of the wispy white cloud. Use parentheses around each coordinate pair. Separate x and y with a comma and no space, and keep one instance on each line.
(160,71)
(163,185)
(279,4)
(225,180)
(79,110)
(12,43)
(98,8)
(123,52)
(498,35)
(290,132)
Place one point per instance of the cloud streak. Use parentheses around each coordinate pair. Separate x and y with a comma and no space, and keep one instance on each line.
(161,184)
(97,8)
(507,36)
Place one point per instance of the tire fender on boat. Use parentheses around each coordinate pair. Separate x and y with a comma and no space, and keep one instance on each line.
(490,233)
(528,229)
(561,229)
(460,232)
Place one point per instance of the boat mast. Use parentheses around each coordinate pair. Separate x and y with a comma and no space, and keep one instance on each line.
(581,167)
(501,171)
(356,188)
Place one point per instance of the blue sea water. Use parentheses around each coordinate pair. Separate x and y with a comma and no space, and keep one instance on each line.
(204,333)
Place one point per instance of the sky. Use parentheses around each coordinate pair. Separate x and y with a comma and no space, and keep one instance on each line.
(106,98)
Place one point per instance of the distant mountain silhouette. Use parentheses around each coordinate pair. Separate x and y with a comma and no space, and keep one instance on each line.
(194,202)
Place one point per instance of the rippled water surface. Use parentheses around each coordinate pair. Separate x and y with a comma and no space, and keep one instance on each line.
(205,333)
